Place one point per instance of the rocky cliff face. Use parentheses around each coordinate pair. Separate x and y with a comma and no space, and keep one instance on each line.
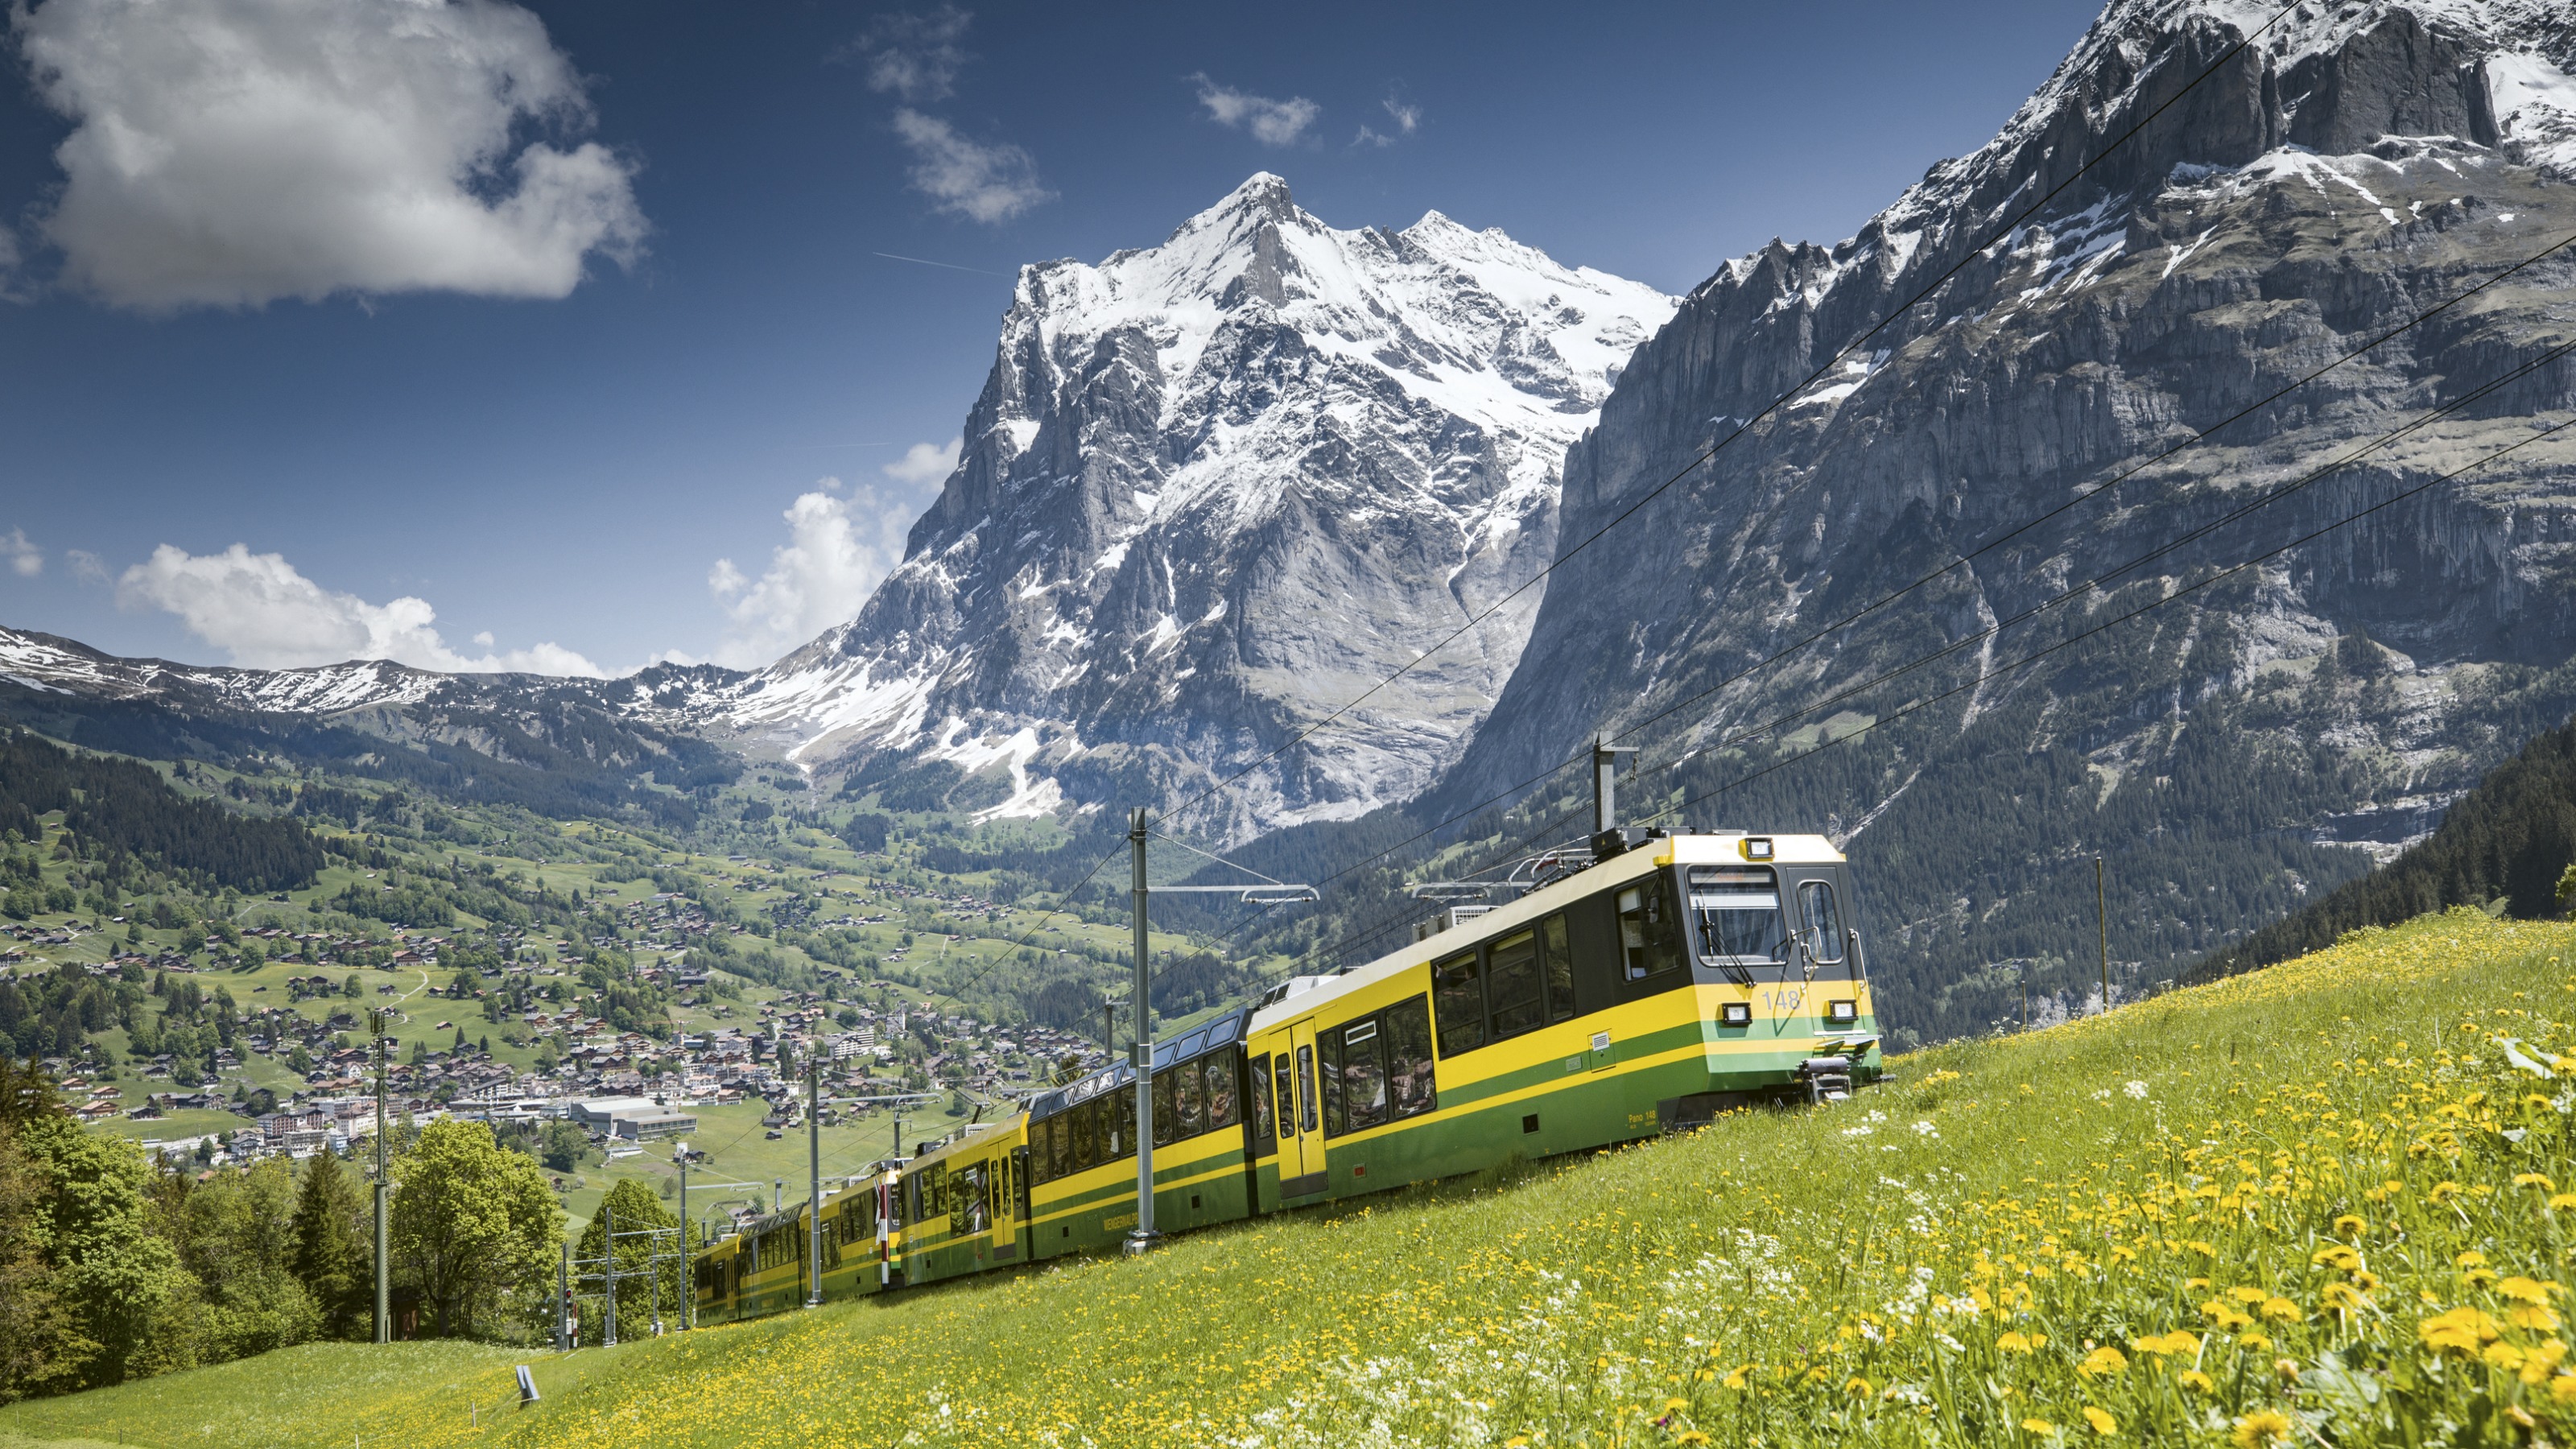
(2346,170)
(1213,491)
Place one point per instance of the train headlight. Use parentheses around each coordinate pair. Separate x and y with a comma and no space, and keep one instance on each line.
(1755,847)
(1843,1012)
(1735,1013)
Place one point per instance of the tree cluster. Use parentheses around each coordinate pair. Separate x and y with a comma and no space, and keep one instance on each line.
(114,1269)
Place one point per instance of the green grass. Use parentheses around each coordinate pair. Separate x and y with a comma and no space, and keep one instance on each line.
(2329,1136)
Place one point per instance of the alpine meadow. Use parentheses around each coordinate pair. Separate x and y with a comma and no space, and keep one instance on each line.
(1475,802)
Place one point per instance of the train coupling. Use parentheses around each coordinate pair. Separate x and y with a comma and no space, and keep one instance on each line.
(1827,1079)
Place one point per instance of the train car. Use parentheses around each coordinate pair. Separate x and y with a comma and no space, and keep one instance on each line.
(1641,986)
(714,1282)
(858,1235)
(1082,1145)
(963,1206)
(769,1264)
(1630,995)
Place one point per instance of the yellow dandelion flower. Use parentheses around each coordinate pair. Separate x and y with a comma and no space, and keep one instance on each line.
(2562,1199)
(2281,1310)
(1692,1436)
(1858,1386)
(2263,1426)
(2534,1179)
(2255,1341)
(2563,1388)
(2463,1329)
(2104,1360)
(2196,1381)
(2248,1295)
(2526,1290)
(2472,1258)
(2018,1343)
(2102,1422)
(2039,1426)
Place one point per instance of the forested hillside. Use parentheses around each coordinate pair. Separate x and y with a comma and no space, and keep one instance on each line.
(116,810)
(2506,846)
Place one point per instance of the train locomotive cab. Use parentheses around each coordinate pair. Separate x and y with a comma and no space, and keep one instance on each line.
(1642,987)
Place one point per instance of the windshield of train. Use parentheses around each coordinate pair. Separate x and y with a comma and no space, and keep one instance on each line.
(1738,908)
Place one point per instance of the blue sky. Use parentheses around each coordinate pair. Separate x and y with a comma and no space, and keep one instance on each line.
(293,278)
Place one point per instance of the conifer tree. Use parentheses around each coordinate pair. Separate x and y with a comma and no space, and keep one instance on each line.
(331,1256)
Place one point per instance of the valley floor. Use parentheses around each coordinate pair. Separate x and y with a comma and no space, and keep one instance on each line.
(2315,1202)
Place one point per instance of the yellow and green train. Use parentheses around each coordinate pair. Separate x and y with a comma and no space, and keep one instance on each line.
(1621,997)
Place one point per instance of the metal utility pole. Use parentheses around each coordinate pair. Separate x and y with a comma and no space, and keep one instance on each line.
(2102,918)
(1605,769)
(689,1285)
(563,1300)
(814,1189)
(384,1284)
(1141,1047)
(608,1270)
(1141,1050)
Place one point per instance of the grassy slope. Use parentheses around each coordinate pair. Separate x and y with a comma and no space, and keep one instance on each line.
(1796,1277)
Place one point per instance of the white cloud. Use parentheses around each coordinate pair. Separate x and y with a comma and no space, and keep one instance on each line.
(230,153)
(259,609)
(26,560)
(838,551)
(923,464)
(915,58)
(1406,117)
(1272,123)
(86,566)
(989,184)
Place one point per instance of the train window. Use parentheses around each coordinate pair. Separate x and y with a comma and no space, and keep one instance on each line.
(1458,995)
(1328,1070)
(1122,1124)
(1738,909)
(1287,1099)
(1821,921)
(1513,990)
(1167,1109)
(1556,959)
(1363,1076)
(1222,1108)
(1192,1094)
(1263,1124)
(1306,1087)
(1086,1136)
(1059,1146)
(1408,1058)
(1649,940)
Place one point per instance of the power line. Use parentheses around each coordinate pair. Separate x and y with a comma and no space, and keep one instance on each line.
(2096,582)
(1710,452)
(2088,495)
(2154,604)
(1855,617)
(2352,456)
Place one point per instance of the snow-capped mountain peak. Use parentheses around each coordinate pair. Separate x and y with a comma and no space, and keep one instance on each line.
(1214,489)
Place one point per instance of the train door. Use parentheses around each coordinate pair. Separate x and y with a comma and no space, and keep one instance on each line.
(885,1229)
(1006,1206)
(1301,1159)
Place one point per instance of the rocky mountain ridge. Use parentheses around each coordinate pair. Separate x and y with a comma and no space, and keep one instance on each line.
(1214,490)
(2334,176)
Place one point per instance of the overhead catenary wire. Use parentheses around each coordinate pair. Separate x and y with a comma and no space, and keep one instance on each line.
(1997,671)
(1997,236)
(2347,459)
(1955,562)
